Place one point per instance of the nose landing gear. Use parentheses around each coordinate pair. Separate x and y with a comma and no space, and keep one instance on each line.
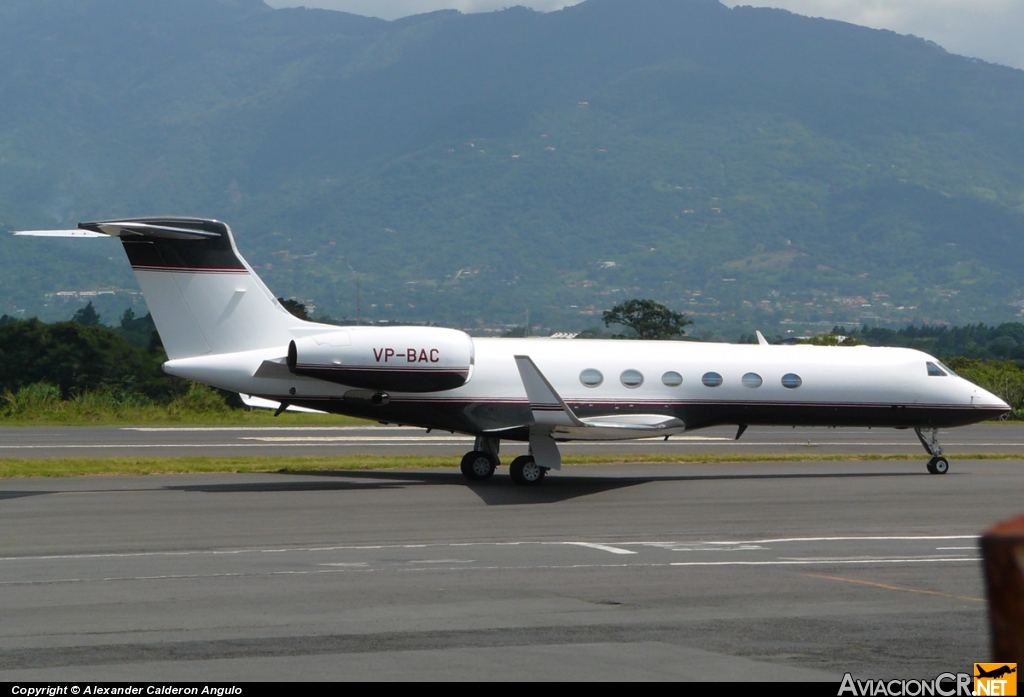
(937,464)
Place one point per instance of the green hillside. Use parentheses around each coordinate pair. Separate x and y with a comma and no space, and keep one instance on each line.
(752,167)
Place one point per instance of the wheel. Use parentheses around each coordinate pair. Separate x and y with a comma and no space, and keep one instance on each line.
(477,465)
(938,465)
(931,466)
(524,470)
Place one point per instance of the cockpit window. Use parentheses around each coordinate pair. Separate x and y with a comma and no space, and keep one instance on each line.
(945,367)
(935,371)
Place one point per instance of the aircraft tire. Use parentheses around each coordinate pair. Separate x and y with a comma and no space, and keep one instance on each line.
(478,465)
(525,471)
(938,465)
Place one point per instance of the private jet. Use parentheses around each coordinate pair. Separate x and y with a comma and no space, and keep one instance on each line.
(221,326)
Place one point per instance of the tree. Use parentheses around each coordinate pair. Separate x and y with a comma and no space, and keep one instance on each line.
(295,307)
(127,318)
(650,320)
(87,316)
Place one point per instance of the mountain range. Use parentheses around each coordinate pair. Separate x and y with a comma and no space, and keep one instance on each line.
(750,167)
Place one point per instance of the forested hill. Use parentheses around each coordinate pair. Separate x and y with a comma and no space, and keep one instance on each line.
(753,167)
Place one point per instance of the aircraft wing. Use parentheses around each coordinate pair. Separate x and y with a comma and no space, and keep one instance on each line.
(552,415)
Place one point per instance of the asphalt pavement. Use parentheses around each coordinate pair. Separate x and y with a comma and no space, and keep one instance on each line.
(224,441)
(749,571)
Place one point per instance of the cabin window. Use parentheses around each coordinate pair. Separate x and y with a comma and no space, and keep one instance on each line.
(591,377)
(672,379)
(935,371)
(751,380)
(791,381)
(711,379)
(632,378)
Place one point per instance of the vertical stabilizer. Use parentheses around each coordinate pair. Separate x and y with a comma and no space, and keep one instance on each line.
(205,299)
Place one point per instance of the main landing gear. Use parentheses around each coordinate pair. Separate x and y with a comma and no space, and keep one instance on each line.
(482,460)
(937,464)
(479,464)
(525,471)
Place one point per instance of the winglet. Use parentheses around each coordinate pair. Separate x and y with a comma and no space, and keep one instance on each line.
(761,341)
(547,407)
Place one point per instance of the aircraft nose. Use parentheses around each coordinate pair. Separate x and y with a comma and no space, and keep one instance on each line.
(984,398)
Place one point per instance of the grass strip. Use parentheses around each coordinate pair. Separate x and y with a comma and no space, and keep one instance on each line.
(157,416)
(77,466)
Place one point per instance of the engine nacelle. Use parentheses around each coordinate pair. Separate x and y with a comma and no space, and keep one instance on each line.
(400,359)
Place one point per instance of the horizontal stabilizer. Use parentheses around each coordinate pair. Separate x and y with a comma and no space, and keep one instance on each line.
(260,403)
(139,228)
(60,233)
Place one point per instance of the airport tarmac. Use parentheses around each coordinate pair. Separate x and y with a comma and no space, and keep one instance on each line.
(745,571)
(232,441)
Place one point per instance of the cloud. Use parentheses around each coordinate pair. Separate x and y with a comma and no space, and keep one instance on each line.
(988,29)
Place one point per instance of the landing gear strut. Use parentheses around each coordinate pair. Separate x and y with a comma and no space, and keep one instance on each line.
(480,463)
(937,464)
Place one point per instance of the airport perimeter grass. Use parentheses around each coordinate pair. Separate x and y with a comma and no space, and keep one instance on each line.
(159,416)
(76,466)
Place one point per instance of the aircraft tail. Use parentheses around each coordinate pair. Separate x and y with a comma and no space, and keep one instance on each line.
(204,297)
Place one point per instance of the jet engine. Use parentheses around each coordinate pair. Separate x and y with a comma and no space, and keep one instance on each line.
(402,359)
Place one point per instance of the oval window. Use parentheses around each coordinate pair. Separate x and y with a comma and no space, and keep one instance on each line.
(791,381)
(632,378)
(672,379)
(752,380)
(711,379)
(591,377)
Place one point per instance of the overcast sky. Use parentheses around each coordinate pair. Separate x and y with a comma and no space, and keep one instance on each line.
(992,30)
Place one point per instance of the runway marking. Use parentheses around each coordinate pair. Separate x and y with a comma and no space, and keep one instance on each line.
(406,569)
(796,562)
(842,539)
(595,545)
(441,561)
(358,439)
(603,548)
(187,429)
(441,441)
(895,588)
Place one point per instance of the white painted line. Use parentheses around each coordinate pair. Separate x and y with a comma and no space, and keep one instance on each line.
(823,561)
(807,539)
(359,439)
(616,548)
(603,548)
(187,429)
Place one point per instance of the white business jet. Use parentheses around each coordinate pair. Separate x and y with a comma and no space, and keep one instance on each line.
(221,326)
